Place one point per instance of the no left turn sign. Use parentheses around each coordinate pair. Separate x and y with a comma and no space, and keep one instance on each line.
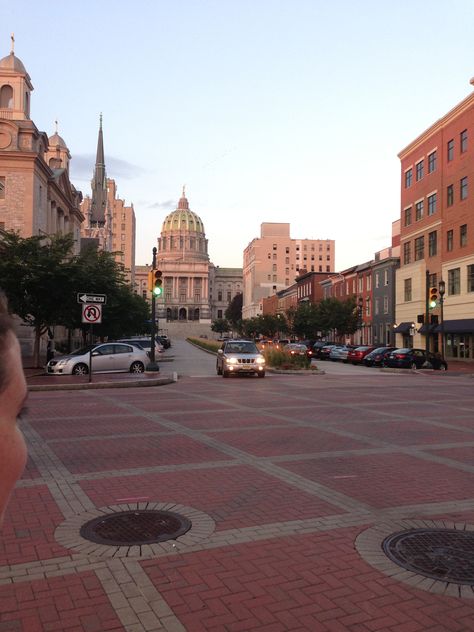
(92,314)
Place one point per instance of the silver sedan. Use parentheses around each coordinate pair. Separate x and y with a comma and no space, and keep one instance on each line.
(107,357)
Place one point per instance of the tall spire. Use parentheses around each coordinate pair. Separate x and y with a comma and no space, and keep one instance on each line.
(99,182)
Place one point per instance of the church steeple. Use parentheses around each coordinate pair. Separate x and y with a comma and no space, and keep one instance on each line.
(15,88)
(99,182)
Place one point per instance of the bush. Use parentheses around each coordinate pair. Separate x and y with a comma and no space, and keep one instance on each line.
(282,360)
(209,345)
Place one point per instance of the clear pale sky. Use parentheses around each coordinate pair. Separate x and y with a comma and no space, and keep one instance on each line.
(268,111)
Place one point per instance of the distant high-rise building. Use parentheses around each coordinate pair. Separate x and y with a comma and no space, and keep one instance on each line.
(273,261)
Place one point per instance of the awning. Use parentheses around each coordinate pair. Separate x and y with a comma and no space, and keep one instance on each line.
(461,326)
(402,328)
(431,329)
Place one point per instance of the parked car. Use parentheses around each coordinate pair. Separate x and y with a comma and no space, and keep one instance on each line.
(296,348)
(377,356)
(357,355)
(326,350)
(340,353)
(108,357)
(414,359)
(240,356)
(144,343)
(318,345)
(164,340)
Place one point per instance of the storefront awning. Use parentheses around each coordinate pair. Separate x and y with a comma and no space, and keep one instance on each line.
(431,329)
(461,326)
(402,328)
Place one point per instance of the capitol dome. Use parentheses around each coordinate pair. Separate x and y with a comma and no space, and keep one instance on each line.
(182,235)
(183,219)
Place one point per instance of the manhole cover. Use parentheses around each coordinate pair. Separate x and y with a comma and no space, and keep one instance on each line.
(135,527)
(443,554)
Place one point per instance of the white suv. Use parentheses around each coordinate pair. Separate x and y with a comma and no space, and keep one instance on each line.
(239,356)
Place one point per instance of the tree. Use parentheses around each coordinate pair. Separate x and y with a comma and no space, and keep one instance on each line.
(35,273)
(234,312)
(306,321)
(220,325)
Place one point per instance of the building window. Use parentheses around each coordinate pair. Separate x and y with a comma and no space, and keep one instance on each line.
(229,297)
(450,149)
(2,187)
(369,282)
(463,139)
(450,195)
(328,268)
(376,306)
(287,250)
(320,269)
(449,240)
(463,235)
(377,280)
(385,304)
(385,277)
(122,237)
(463,188)
(470,278)
(408,178)
(419,248)
(419,170)
(454,281)
(274,277)
(287,281)
(408,216)
(432,162)
(274,246)
(419,210)
(219,295)
(6,97)
(287,260)
(432,280)
(407,252)
(274,256)
(433,244)
(219,313)
(274,267)
(432,204)
(407,290)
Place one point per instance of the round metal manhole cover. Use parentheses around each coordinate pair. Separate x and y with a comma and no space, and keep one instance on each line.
(135,527)
(443,554)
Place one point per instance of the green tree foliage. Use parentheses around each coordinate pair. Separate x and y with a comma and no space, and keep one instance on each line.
(35,273)
(234,312)
(311,320)
(267,325)
(220,325)
(41,279)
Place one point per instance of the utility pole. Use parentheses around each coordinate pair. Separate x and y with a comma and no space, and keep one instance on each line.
(153,366)
(427,363)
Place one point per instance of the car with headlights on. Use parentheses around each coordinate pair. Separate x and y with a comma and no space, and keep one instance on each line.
(240,356)
(107,357)
(296,348)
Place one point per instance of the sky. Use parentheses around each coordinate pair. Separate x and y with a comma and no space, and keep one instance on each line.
(266,110)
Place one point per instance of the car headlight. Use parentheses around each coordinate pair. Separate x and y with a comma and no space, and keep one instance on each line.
(260,360)
(231,360)
(62,362)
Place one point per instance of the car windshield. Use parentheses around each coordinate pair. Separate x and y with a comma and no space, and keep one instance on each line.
(241,347)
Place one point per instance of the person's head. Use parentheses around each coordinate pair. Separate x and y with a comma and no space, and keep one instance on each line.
(13,393)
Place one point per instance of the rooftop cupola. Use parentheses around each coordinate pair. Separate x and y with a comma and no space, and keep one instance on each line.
(15,87)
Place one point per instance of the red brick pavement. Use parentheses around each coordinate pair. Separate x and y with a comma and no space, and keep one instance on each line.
(249,454)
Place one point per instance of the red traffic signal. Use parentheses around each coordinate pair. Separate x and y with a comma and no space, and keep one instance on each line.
(433,297)
(157,282)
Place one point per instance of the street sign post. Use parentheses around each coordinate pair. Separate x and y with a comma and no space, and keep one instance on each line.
(84,297)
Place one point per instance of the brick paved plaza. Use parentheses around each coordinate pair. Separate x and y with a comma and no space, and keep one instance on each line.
(289,483)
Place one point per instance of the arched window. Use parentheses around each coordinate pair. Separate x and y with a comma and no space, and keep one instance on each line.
(6,97)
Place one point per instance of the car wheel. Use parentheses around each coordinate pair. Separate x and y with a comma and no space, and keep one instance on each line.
(262,374)
(443,367)
(137,367)
(225,373)
(218,369)
(80,369)
(413,365)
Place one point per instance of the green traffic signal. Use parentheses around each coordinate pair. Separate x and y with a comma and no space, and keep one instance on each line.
(157,283)
(433,297)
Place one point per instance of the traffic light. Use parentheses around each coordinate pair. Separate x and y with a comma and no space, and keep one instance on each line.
(433,297)
(150,281)
(157,282)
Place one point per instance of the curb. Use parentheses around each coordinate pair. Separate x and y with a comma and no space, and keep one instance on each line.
(100,385)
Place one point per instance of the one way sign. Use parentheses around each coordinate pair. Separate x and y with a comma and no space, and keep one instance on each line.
(83,297)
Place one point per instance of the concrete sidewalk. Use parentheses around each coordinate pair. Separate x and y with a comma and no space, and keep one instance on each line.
(290,484)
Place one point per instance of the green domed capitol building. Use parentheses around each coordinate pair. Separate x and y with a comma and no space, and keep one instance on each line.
(194,289)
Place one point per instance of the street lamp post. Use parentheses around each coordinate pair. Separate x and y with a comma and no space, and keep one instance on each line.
(153,366)
(442,291)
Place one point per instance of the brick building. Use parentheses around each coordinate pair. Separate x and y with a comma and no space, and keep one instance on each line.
(437,233)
